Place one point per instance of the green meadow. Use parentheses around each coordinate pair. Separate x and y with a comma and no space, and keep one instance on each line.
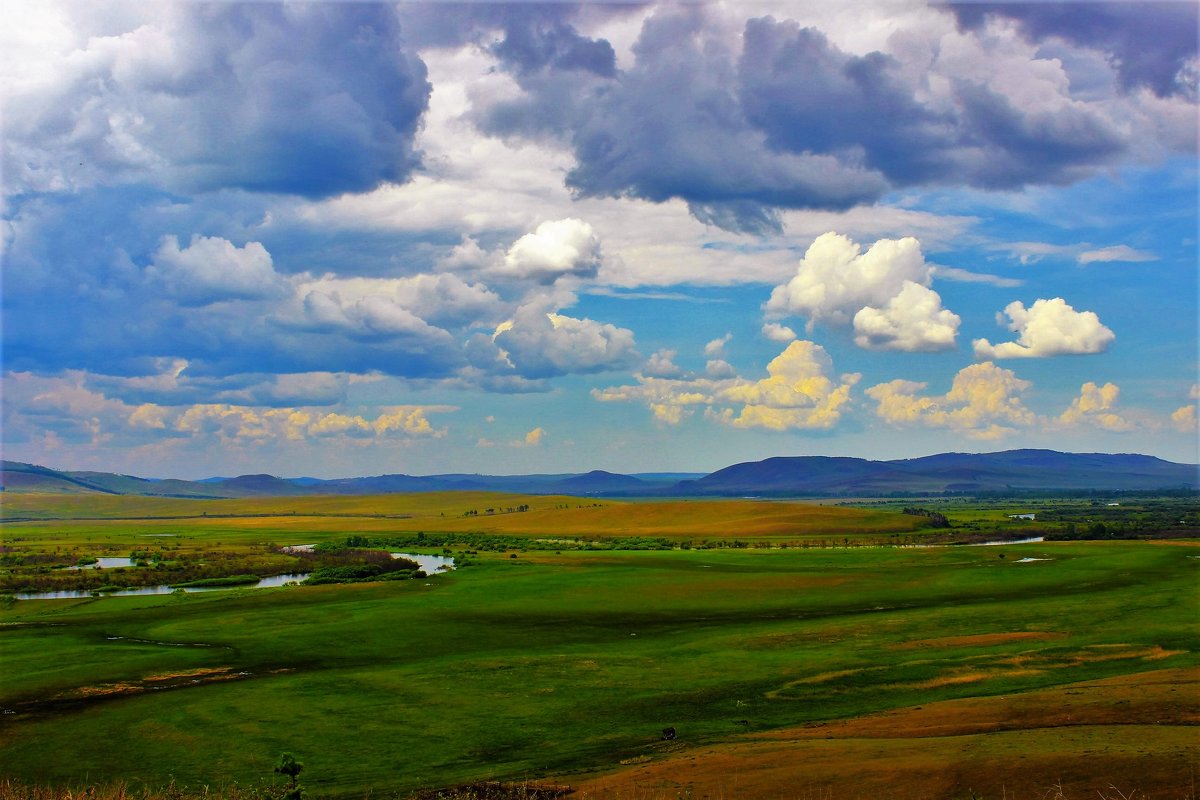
(536,663)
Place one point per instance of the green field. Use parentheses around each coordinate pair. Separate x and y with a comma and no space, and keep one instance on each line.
(568,665)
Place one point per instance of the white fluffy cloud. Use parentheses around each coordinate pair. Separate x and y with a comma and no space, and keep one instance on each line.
(565,247)
(662,365)
(984,402)
(913,320)
(778,333)
(797,394)
(1095,406)
(716,347)
(884,293)
(1047,328)
(211,269)
(536,344)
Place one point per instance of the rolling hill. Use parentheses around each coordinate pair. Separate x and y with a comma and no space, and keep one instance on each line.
(795,476)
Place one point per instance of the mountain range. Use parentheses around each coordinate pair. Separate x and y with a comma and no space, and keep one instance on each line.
(795,476)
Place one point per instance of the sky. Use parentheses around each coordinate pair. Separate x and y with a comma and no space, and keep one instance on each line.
(334,239)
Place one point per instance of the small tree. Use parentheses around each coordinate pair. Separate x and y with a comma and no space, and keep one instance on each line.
(288,765)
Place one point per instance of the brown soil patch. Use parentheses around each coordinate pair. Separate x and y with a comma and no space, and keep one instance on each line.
(1135,732)
(171,680)
(981,640)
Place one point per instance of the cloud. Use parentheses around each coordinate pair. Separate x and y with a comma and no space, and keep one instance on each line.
(671,127)
(351,303)
(719,368)
(662,365)
(1048,328)
(239,423)
(566,247)
(1094,407)
(1121,252)
(966,276)
(912,321)
(778,333)
(984,402)
(883,293)
(534,437)
(797,394)
(539,344)
(67,408)
(172,384)
(212,269)
(1032,252)
(716,347)
(311,100)
(743,118)
(1184,419)
(1120,30)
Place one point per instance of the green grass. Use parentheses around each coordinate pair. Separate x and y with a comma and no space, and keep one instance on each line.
(551,663)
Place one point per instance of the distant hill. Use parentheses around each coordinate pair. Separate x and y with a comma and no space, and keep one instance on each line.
(795,476)
(600,482)
(946,472)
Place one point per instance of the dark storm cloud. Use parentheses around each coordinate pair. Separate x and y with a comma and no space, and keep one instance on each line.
(807,95)
(673,127)
(1150,43)
(311,99)
(788,122)
(556,46)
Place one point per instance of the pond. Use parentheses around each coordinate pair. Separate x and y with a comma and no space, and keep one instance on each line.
(106,562)
(274,580)
(431,565)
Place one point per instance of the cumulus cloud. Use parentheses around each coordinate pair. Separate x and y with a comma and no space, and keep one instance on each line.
(662,365)
(1095,406)
(534,437)
(1047,328)
(716,347)
(984,402)
(211,269)
(566,247)
(719,368)
(797,394)
(1120,252)
(883,293)
(1183,419)
(537,344)
(778,333)
(913,320)
(311,100)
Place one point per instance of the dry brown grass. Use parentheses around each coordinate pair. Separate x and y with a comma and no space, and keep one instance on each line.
(1129,737)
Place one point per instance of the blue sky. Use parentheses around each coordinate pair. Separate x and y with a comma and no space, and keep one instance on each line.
(339,239)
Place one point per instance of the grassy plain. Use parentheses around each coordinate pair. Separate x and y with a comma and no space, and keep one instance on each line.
(830,673)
